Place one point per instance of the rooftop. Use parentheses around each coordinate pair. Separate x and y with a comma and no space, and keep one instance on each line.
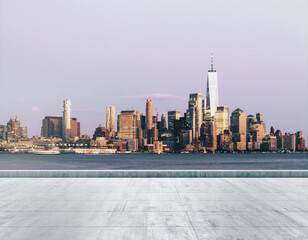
(153,208)
(237,110)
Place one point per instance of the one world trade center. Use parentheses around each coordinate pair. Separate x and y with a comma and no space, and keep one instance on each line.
(212,99)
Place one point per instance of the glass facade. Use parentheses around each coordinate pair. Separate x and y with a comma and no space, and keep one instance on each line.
(212,99)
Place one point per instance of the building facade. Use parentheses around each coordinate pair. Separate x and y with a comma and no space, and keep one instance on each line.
(3,132)
(172,116)
(14,126)
(149,114)
(257,129)
(238,129)
(127,125)
(163,122)
(222,119)
(194,114)
(289,142)
(52,127)
(110,120)
(24,132)
(66,120)
(212,98)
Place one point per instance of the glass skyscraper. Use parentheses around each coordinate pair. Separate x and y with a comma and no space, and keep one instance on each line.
(194,114)
(212,99)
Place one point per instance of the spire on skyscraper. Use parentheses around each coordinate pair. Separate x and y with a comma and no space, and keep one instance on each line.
(212,60)
(212,99)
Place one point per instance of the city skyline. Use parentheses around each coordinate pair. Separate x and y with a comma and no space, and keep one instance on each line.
(195,100)
(98,65)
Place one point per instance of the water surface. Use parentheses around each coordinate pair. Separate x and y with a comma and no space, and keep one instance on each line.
(275,161)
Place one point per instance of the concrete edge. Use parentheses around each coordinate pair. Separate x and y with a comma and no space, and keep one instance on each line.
(153,173)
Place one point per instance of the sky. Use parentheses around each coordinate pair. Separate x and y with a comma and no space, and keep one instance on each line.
(120,53)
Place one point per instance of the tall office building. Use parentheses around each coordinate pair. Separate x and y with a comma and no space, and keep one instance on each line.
(52,127)
(149,114)
(279,137)
(14,126)
(222,119)
(155,120)
(239,129)
(238,122)
(163,122)
(66,120)
(3,132)
(75,128)
(211,143)
(300,142)
(212,98)
(257,129)
(110,120)
(289,141)
(194,114)
(127,125)
(142,122)
(23,132)
(259,117)
(172,116)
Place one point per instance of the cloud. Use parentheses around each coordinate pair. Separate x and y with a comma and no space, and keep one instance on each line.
(35,109)
(88,110)
(21,100)
(159,96)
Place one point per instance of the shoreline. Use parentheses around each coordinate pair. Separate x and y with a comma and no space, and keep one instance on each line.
(202,153)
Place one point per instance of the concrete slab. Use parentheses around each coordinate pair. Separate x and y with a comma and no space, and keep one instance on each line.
(153,208)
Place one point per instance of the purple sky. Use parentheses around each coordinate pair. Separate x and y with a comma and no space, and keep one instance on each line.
(100,53)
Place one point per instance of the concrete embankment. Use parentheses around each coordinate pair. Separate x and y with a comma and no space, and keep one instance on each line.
(153,173)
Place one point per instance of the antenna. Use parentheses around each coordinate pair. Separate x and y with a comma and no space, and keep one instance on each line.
(212,60)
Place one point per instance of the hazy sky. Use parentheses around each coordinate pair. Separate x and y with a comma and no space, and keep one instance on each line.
(100,53)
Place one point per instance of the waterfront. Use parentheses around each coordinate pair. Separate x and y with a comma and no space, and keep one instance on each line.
(275,161)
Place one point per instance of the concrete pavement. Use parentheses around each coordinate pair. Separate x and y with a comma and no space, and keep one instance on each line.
(153,208)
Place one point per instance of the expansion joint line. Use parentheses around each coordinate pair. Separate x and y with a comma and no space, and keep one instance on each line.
(124,206)
(192,226)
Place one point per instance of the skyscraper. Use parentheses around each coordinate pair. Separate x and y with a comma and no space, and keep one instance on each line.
(75,128)
(52,127)
(238,122)
(14,126)
(289,142)
(257,129)
(149,114)
(127,125)
(110,119)
(66,120)
(24,132)
(163,121)
(194,114)
(239,129)
(172,116)
(3,132)
(222,119)
(212,99)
